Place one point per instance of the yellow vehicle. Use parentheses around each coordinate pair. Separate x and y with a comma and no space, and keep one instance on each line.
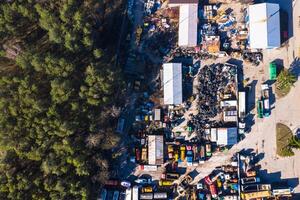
(176,155)
(147,189)
(170,148)
(182,153)
(139,31)
(219,183)
(256,195)
(165,183)
(144,154)
(170,151)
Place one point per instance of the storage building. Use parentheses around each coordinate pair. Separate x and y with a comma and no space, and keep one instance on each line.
(172,83)
(188,21)
(155,149)
(227,136)
(264,26)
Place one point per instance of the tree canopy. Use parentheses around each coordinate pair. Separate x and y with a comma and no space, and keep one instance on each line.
(57,88)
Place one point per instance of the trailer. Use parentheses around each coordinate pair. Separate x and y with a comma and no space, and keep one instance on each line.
(242,105)
(266,99)
(128,194)
(260,109)
(135,193)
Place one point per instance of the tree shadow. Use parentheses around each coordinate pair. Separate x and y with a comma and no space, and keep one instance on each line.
(295,67)
(276,180)
(286,17)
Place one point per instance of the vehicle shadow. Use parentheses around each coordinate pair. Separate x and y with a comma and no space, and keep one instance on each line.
(251,95)
(249,122)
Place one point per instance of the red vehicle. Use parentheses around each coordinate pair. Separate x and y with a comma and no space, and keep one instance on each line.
(208,180)
(213,190)
(188,147)
(137,154)
(112,183)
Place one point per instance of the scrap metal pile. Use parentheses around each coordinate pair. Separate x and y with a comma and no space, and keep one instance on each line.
(214,81)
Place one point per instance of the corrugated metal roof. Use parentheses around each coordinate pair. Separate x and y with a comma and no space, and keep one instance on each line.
(188,22)
(172,82)
(182,1)
(155,149)
(264,26)
(227,136)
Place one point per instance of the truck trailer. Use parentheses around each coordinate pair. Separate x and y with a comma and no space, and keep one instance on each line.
(265,95)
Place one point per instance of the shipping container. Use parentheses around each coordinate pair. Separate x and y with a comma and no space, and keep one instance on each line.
(242,105)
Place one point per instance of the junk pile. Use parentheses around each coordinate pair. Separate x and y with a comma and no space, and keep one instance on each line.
(214,81)
(253,57)
(221,183)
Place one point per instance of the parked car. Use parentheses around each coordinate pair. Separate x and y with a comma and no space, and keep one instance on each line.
(126,184)
(147,189)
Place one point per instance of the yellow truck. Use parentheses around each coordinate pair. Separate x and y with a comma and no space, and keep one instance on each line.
(165,183)
(182,153)
(256,195)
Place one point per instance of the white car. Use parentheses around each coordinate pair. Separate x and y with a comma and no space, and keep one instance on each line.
(126,184)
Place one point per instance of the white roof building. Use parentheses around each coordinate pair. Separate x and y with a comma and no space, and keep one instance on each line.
(172,83)
(264,26)
(188,22)
(226,136)
(155,149)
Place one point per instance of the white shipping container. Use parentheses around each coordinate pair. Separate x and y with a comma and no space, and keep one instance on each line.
(242,104)
(135,193)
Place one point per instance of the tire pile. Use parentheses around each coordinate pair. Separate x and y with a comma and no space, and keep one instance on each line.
(213,82)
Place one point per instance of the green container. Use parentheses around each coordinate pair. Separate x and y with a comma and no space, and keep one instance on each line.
(273,71)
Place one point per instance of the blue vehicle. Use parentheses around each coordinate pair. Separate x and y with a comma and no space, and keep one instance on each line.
(189,157)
